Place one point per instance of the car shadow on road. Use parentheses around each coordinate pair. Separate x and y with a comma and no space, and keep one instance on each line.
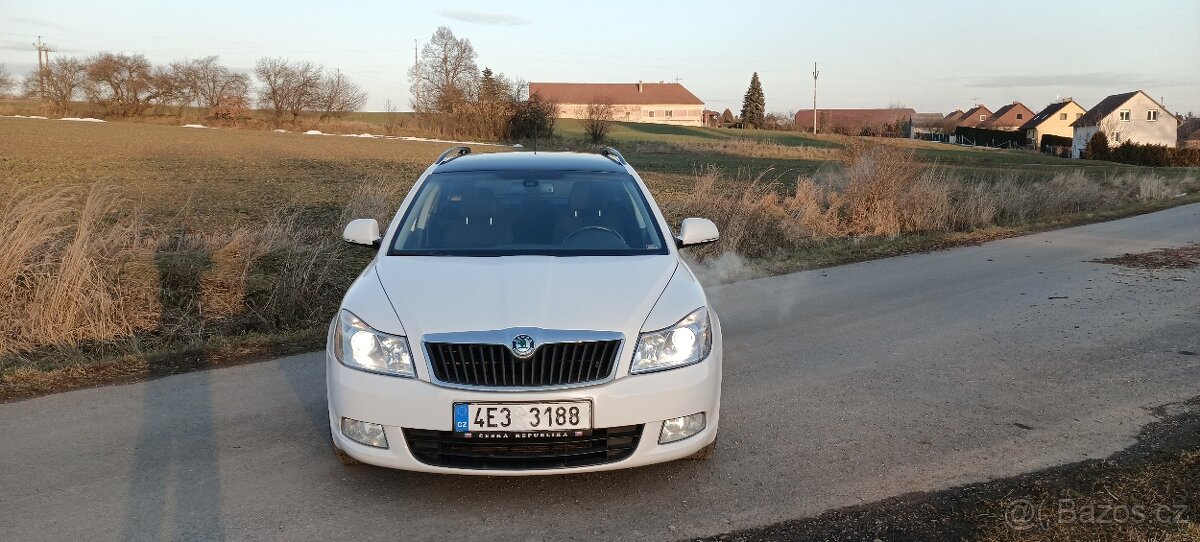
(175,488)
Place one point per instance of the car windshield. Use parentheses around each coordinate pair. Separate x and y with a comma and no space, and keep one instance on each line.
(529,213)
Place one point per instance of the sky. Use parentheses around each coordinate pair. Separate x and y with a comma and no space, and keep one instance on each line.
(933,56)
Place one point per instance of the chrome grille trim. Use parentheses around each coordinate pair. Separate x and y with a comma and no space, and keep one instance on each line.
(462,359)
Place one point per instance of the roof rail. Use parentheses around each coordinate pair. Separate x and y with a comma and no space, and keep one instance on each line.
(613,154)
(452,153)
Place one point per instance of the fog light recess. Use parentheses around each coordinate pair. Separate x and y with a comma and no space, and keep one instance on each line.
(370,434)
(676,429)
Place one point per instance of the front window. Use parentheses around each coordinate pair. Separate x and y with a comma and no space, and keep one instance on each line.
(1062,116)
(1152,115)
(1124,115)
(512,213)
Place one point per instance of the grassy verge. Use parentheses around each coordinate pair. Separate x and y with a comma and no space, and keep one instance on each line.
(844,251)
(135,250)
(209,353)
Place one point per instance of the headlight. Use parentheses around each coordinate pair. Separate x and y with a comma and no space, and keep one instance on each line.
(685,343)
(358,346)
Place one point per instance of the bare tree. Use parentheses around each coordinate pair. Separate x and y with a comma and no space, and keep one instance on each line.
(391,118)
(304,88)
(122,84)
(6,81)
(445,74)
(65,78)
(209,83)
(597,119)
(170,89)
(274,75)
(785,120)
(339,95)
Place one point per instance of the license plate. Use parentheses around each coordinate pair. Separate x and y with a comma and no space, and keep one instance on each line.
(520,417)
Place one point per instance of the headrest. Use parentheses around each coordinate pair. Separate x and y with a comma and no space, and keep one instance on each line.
(592,195)
(479,201)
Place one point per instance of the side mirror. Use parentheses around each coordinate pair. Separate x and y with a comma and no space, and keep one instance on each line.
(696,231)
(362,231)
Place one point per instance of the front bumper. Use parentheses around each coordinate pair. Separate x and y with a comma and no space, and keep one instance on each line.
(400,403)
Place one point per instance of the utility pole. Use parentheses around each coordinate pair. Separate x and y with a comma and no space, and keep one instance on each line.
(815,74)
(43,50)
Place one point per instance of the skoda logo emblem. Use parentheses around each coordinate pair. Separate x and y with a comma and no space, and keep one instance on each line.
(522,346)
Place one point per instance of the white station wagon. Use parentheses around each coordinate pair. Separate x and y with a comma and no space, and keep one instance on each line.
(526,313)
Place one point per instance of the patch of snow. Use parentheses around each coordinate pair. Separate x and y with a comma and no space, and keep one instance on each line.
(431,140)
(194,126)
(314,132)
(281,130)
(84,119)
(24,117)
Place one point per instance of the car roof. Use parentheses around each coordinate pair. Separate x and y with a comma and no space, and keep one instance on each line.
(530,161)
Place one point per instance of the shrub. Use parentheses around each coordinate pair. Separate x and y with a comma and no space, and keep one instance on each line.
(1097,147)
(1154,155)
(532,118)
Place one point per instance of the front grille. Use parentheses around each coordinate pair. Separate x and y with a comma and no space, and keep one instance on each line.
(516,452)
(494,365)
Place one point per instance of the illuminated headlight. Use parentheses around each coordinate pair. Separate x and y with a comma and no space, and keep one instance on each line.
(367,433)
(685,343)
(358,346)
(676,429)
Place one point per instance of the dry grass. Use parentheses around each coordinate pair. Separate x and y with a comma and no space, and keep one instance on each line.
(760,149)
(87,280)
(884,191)
(757,148)
(70,270)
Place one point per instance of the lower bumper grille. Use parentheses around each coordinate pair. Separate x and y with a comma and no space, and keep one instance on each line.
(517,452)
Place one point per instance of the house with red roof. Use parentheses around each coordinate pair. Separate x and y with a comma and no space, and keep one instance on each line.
(1009,118)
(657,103)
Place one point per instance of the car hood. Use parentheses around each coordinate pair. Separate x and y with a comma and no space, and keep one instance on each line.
(438,294)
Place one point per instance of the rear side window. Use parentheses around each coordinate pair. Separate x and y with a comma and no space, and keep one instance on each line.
(528,213)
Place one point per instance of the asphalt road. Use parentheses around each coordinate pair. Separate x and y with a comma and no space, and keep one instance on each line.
(843,386)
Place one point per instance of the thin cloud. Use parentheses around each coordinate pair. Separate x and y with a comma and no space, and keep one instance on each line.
(483,17)
(28,47)
(31,21)
(1094,79)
